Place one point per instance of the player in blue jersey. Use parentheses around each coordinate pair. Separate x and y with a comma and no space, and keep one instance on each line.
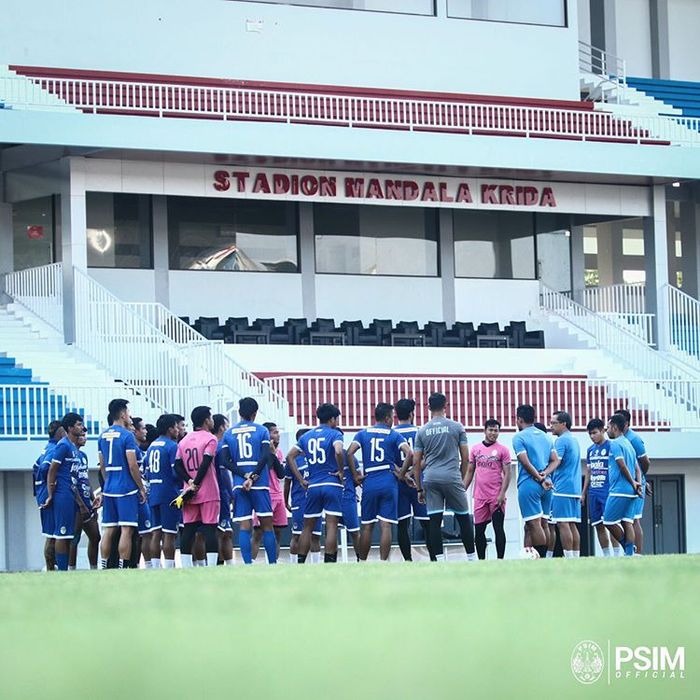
(382,448)
(325,461)
(535,454)
(624,476)
(164,488)
(40,471)
(295,499)
(86,517)
(225,527)
(643,461)
(246,452)
(141,543)
(123,487)
(59,486)
(566,477)
(595,485)
(409,504)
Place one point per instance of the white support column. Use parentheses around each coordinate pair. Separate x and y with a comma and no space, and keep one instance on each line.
(447,266)
(73,237)
(7,257)
(578,263)
(690,241)
(307,261)
(656,262)
(161,250)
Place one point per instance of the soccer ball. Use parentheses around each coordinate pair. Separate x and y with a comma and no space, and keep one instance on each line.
(529,553)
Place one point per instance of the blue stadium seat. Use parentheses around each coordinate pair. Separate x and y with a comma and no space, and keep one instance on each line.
(680,94)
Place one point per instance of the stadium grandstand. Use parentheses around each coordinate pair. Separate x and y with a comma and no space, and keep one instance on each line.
(351,203)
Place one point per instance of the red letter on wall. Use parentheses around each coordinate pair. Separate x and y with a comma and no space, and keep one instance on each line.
(221,181)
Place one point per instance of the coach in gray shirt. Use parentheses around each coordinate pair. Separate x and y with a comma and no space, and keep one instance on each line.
(441,457)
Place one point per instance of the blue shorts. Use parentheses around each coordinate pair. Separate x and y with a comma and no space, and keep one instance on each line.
(547,504)
(120,511)
(64,510)
(532,499)
(566,509)
(619,508)
(380,503)
(246,502)
(596,506)
(166,517)
(323,499)
(145,519)
(298,522)
(408,503)
(638,507)
(48,526)
(350,520)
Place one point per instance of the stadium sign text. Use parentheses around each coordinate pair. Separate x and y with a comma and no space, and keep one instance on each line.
(355,187)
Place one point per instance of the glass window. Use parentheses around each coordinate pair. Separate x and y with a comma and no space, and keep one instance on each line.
(633,276)
(410,7)
(547,12)
(227,234)
(494,244)
(33,232)
(376,240)
(119,232)
(590,240)
(632,241)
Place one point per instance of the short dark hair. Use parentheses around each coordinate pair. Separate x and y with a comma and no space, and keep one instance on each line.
(437,401)
(625,414)
(247,407)
(116,408)
(526,413)
(54,425)
(327,412)
(404,408)
(219,420)
(540,426)
(382,411)
(618,420)
(165,422)
(199,415)
(151,433)
(269,425)
(178,417)
(70,419)
(595,424)
(301,431)
(563,417)
(492,423)
(136,421)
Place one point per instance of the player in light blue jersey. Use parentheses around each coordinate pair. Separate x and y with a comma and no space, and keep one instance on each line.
(409,503)
(595,485)
(295,500)
(165,486)
(325,461)
(86,517)
(535,454)
(246,452)
(40,471)
(225,527)
(141,544)
(643,461)
(566,477)
(624,475)
(382,448)
(59,486)
(123,487)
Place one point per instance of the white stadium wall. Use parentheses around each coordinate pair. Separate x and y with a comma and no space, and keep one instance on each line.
(683,26)
(634,36)
(282,43)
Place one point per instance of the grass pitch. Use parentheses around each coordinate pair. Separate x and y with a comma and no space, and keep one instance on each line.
(361,632)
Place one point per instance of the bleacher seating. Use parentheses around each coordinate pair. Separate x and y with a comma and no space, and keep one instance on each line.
(680,94)
(380,332)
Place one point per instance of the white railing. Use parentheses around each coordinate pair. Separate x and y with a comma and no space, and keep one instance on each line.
(611,68)
(232,103)
(623,305)
(473,400)
(684,322)
(39,290)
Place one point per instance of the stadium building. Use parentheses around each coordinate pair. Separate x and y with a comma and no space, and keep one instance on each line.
(352,202)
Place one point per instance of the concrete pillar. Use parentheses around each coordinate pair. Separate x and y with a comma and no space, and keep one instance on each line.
(656,265)
(307,261)
(578,263)
(447,266)
(690,242)
(660,46)
(73,237)
(606,256)
(161,250)
(7,258)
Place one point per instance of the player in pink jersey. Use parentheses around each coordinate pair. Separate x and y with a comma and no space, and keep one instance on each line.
(280,519)
(489,467)
(195,464)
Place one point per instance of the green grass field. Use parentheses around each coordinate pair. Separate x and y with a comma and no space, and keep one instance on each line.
(455,630)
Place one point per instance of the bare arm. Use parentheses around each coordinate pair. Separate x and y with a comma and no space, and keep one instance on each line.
(527,466)
(554,462)
(644,463)
(505,466)
(340,460)
(586,481)
(464,455)
(136,473)
(407,460)
(470,475)
(51,480)
(287,492)
(291,461)
(418,469)
(624,470)
(352,463)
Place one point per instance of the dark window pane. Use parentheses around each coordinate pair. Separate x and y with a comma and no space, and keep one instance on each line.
(119,232)
(222,234)
(494,244)
(33,233)
(376,240)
